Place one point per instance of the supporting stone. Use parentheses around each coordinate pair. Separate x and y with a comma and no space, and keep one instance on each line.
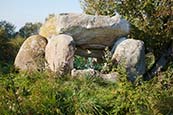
(31,56)
(130,53)
(60,53)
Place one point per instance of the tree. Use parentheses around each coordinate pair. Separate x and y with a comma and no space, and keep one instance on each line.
(7,32)
(50,16)
(16,43)
(29,29)
(151,21)
(98,7)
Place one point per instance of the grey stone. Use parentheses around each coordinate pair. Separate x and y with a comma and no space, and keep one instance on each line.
(88,31)
(112,77)
(131,54)
(83,73)
(59,53)
(31,54)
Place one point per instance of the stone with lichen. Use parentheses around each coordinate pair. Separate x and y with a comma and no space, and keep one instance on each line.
(31,54)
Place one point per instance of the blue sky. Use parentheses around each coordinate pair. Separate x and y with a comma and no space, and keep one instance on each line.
(18,12)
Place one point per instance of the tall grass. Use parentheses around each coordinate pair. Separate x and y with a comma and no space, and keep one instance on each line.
(40,93)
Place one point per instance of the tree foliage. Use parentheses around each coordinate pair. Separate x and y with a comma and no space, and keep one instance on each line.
(98,7)
(10,40)
(151,20)
(29,29)
(7,32)
(41,93)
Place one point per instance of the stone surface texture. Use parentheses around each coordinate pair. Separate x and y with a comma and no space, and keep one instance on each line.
(31,54)
(88,31)
(131,54)
(70,34)
(60,53)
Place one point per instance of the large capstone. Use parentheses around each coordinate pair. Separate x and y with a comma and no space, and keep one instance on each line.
(88,31)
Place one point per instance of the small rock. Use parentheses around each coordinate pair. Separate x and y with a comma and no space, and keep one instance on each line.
(110,76)
(85,72)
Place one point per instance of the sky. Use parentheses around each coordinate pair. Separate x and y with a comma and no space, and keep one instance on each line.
(18,12)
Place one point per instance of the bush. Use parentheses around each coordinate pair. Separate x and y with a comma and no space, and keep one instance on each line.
(41,93)
(151,20)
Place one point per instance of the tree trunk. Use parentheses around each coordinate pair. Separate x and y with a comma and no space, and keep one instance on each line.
(164,59)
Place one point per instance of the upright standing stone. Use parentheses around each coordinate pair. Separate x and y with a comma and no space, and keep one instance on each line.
(31,54)
(130,53)
(60,53)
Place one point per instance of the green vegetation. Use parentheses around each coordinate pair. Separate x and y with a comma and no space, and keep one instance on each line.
(46,93)
(10,40)
(29,29)
(6,34)
(43,93)
(150,21)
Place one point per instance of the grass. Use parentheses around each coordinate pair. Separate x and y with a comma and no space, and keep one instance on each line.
(41,93)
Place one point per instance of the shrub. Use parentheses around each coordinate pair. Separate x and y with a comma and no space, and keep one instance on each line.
(41,93)
(151,20)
